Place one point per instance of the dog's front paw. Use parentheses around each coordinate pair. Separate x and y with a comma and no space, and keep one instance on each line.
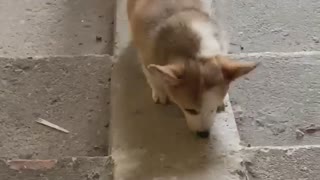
(160,97)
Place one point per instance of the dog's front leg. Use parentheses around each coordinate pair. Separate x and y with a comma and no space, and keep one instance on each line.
(159,94)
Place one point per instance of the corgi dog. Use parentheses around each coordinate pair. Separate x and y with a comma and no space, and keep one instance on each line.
(183,58)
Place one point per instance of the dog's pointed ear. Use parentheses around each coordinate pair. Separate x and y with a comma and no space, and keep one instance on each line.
(232,69)
(170,74)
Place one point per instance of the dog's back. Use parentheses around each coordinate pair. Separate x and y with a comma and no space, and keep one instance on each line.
(157,11)
(148,17)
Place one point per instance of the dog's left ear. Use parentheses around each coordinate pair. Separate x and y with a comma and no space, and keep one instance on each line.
(232,69)
(169,74)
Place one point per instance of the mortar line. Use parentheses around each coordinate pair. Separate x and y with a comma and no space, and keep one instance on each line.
(277,54)
(293,147)
(240,55)
(37,57)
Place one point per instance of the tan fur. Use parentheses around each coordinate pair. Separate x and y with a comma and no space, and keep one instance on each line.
(168,48)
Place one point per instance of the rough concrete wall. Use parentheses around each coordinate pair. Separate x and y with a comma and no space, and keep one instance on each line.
(273,26)
(295,163)
(278,98)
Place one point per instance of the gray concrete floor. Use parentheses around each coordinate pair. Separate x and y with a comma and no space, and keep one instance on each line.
(56,27)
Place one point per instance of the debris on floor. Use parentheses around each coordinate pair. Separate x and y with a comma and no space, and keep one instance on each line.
(299,134)
(98,38)
(51,125)
(221,108)
(310,129)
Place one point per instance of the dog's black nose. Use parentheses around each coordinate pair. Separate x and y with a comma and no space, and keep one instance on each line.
(203,134)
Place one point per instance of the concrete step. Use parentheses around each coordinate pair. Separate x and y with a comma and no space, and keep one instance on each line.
(72,168)
(283,163)
(272,26)
(72,92)
(56,27)
(151,141)
(279,98)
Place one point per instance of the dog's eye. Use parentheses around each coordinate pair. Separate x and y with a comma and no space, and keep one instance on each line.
(192,111)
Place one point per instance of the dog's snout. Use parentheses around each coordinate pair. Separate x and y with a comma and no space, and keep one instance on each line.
(203,134)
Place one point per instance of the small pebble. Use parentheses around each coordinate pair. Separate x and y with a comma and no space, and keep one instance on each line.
(260,123)
(25,156)
(8,66)
(18,70)
(304,169)
(96,147)
(276,30)
(221,108)
(299,134)
(98,38)
(316,39)
(276,130)
(286,34)
(238,113)
(96,176)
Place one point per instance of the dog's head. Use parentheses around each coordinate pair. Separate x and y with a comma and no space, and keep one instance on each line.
(198,87)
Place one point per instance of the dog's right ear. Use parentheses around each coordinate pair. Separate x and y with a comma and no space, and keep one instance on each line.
(169,74)
(232,69)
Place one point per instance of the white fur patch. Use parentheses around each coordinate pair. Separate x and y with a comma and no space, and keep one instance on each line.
(210,103)
(204,121)
(209,45)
